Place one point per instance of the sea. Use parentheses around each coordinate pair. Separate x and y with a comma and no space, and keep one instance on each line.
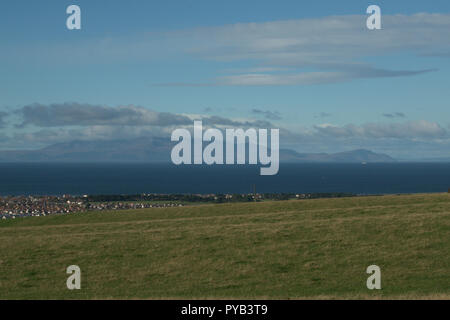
(138,178)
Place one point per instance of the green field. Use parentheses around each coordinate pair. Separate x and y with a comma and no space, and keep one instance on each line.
(276,250)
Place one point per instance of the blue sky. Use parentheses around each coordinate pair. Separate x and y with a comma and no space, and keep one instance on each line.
(311,69)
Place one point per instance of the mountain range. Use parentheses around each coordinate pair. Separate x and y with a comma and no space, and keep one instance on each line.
(159,150)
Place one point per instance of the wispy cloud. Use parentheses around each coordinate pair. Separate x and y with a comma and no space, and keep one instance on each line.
(270,115)
(309,78)
(323,115)
(336,47)
(394,115)
(292,52)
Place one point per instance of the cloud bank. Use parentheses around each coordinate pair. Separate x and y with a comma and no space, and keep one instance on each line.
(40,125)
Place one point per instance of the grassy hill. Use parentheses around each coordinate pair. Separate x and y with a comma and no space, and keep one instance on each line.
(290,249)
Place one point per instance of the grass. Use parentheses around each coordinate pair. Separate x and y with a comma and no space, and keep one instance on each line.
(308,249)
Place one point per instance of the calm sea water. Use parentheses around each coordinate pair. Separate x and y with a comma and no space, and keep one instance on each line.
(56,179)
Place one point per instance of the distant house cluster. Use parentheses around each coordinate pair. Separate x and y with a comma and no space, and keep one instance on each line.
(36,206)
(27,206)
(128,205)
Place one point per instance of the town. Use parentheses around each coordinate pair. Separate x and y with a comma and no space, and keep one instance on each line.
(36,206)
(12,207)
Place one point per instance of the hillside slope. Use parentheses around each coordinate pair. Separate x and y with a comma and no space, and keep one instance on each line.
(292,249)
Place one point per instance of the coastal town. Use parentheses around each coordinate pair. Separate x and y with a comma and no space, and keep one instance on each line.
(12,207)
(38,206)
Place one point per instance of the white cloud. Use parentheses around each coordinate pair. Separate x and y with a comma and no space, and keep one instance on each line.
(421,129)
(336,47)
(304,51)
(410,139)
(291,79)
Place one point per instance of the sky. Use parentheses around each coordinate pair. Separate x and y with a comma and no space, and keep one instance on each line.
(312,69)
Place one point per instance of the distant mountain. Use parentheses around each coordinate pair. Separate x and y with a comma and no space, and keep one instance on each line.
(158,150)
(439,160)
(136,150)
(354,156)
